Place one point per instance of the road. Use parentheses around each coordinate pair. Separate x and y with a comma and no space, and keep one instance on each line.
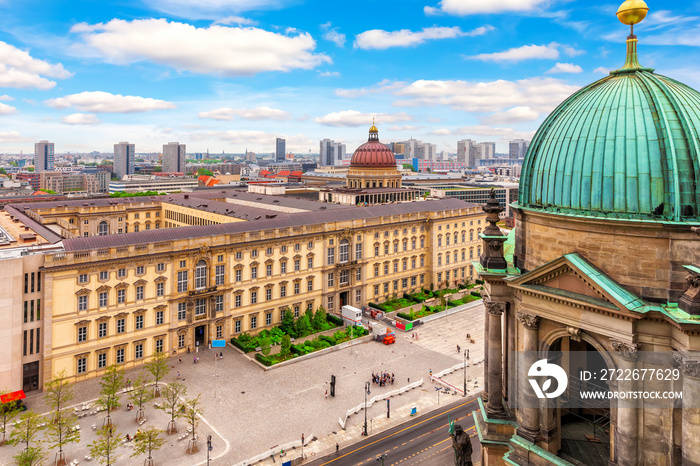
(423,440)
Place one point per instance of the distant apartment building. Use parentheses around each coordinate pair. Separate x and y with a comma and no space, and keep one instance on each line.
(518,148)
(69,182)
(332,153)
(174,157)
(250,157)
(160,184)
(280,150)
(425,151)
(123,159)
(487,150)
(43,156)
(103,177)
(276,167)
(467,152)
(32,179)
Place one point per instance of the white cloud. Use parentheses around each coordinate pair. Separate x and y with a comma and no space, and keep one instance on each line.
(211,9)
(565,68)
(505,134)
(80,119)
(383,86)
(526,52)
(329,74)
(11,136)
(571,51)
(240,20)
(379,39)
(215,49)
(602,70)
(442,132)
(20,70)
(332,35)
(539,94)
(355,118)
(258,113)
(6,98)
(104,102)
(404,128)
(472,7)
(7,109)
(512,115)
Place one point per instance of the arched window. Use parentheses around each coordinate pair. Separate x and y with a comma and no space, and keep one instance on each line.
(344,251)
(439,259)
(103,229)
(200,275)
(471,235)
(455,237)
(439,240)
(447,239)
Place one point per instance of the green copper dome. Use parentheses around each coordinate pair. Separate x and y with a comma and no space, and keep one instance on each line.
(625,146)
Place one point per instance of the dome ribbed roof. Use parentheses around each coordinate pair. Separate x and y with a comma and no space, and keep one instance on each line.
(373,154)
(626,146)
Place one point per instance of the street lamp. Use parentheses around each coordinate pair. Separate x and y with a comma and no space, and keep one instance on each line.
(381,458)
(209,448)
(466,358)
(367,392)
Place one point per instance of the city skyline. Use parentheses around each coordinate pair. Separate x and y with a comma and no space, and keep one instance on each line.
(80,75)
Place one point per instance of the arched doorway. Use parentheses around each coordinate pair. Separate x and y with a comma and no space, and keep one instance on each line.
(578,426)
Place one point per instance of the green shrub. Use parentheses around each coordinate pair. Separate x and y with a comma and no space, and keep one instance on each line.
(479,282)
(476,293)
(330,340)
(337,321)
(266,360)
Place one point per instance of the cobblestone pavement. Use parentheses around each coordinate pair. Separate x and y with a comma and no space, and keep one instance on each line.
(250,410)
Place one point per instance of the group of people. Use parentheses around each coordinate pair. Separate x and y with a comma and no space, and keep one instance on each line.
(218,355)
(382,378)
(129,406)
(129,438)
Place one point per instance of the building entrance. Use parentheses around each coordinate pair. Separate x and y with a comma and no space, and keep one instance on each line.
(344,299)
(30,376)
(200,336)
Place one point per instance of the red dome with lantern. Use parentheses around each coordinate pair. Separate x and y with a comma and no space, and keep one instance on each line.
(373,154)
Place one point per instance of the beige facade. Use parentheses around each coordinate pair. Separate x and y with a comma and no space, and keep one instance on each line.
(119,304)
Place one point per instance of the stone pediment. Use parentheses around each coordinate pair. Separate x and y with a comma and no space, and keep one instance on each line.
(571,278)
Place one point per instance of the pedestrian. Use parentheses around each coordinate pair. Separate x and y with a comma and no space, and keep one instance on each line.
(337,447)
(178,375)
(188,350)
(194,360)
(128,383)
(431,375)
(180,359)
(326,394)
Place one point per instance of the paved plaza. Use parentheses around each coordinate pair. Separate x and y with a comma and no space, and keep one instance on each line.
(249,410)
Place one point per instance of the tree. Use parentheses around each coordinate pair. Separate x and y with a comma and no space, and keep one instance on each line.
(286,346)
(287,325)
(104,447)
(309,313)
(140,395)
(57,395)
(192,412)
(171,404)
(25,432)
(158,367)
(111,382)
(146,442)
(204,171)
(265,345)
(320,319)
(303,326)
(32,456)
(8,411)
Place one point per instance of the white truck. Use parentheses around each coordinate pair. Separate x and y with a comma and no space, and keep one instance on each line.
(351,315)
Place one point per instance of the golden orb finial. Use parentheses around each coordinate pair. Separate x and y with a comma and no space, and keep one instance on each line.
(373,129)
(632,12)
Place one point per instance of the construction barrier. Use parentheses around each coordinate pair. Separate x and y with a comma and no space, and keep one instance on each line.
(381,397)
(275,451)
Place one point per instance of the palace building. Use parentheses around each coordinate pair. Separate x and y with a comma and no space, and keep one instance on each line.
(111,281)
(601,276)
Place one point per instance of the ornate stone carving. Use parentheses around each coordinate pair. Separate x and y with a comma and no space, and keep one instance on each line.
(462,446)
(693,280)
(528,320)
(495,245)
(574,333)
(627,350)
(691,368)
(495,308)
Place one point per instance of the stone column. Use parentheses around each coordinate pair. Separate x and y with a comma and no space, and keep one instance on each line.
(485,393)
(494,407)
(627,430)
(529,422)
(690,443)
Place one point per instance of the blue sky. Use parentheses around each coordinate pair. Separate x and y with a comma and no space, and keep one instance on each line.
(234,74)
